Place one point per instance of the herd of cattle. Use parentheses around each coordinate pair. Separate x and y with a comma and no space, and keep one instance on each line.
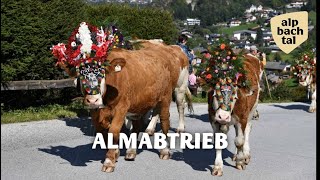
(143,81)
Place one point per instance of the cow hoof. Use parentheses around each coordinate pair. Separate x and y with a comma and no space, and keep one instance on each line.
(234,158)
(247,160)
(241,166)
(164,156)
(150,132)
(130,156)
(107,169)
(179,131)
(312,110)
(217,171)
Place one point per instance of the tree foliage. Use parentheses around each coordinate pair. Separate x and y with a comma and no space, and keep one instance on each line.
(135,22)
(30,27)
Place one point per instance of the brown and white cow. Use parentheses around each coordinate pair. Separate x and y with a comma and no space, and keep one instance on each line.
(182,96)
(137,81)
(308,79)
(240,114)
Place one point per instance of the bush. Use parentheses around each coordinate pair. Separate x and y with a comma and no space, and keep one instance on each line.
(284,93)
(143,23)
(30,27)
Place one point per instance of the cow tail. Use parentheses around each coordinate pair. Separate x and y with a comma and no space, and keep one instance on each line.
(189,101)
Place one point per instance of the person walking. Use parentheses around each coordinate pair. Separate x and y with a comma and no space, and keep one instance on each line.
(193,83)
(182,42)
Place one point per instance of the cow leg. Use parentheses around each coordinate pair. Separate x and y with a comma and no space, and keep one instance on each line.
(131,153)
(180,96)
(256,115)
(218,162)
(152,124)
(115,128)
(165,125)
(100,122)
(313,102)
(239,142)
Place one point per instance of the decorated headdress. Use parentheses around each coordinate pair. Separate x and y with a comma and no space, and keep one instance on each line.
(222,64)
(87,51)
(305,64)
(222,69)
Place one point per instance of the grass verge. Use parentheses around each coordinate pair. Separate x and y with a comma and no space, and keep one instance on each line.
(75,109)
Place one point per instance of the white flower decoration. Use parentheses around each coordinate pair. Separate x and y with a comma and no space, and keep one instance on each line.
(85,38)
(73,44)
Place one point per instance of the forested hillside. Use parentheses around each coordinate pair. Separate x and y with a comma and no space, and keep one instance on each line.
(214,11)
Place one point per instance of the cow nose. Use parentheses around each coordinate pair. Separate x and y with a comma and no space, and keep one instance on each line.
(92,100)
(224,117)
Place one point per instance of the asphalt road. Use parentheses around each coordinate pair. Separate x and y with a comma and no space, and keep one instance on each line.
(283,146)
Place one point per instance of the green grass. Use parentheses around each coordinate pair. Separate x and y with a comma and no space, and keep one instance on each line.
(75,109)
(292,82)
(199,99)
(284,57)
(230,30)
(313,16)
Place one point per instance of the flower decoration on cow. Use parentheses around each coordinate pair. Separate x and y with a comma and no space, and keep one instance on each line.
(305,65)
(87,50)
(223,71)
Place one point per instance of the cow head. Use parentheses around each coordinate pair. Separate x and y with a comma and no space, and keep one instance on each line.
(305,70)
(223,100)
(85,57)
(93,84)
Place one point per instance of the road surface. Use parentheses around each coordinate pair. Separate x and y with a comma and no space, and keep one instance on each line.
(283,146)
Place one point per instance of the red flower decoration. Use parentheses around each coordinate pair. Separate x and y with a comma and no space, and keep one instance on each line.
(222,46)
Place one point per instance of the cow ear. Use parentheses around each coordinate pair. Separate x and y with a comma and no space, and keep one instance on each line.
(116,65)
(71,71)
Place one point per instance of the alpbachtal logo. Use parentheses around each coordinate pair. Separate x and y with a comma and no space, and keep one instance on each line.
(290,30)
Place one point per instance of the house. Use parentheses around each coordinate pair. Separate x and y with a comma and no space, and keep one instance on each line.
(274,79)
(254,8)
(251,18)
(221,24)
(215,37)
(297,4)
(267,35)
(244,34)
(277,67)
(234,23)
(192,22)
(187,33)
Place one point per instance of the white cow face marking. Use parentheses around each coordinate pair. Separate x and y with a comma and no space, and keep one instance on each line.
(224,98)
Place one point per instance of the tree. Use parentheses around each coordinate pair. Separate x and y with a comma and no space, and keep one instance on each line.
(277,56)
(180,9)
(259,37)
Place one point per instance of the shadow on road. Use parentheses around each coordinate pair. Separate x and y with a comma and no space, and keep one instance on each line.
(198,159)
(76,156)
(303,107)
(83,123)
(83,154)
(202,117)
(201,159)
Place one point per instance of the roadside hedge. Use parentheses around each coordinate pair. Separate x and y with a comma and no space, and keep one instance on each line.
(30,27)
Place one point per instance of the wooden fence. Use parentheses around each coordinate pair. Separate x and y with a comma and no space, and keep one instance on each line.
(37,84)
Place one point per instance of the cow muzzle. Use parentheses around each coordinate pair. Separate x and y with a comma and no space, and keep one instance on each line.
(93,101)
(303,83)
(222,116)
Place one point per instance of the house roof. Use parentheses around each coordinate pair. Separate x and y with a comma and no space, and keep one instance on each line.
(273,78)
(244,31)
(276,65)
